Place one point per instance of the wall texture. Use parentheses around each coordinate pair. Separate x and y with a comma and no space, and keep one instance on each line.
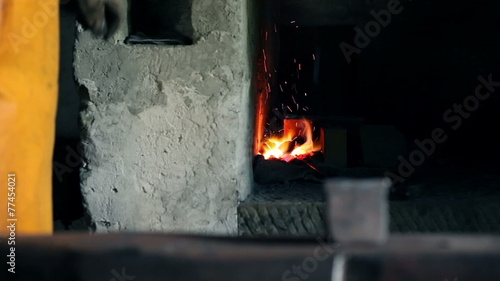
(166,130)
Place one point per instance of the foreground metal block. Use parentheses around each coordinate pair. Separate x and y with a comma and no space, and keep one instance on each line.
(358,209)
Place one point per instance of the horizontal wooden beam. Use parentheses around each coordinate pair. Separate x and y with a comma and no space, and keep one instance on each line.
(173,257)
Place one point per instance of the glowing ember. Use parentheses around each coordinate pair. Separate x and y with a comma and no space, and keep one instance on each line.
(296,142)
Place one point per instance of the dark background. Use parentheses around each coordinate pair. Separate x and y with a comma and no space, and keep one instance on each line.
(426,60)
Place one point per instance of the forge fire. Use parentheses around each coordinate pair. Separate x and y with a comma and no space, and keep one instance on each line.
(296,141)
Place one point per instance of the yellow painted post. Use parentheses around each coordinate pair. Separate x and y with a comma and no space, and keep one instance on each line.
(29,67)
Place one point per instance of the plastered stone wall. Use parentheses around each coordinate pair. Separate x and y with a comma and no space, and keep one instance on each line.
(167,130)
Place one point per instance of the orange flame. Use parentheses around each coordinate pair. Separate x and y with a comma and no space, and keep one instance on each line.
(296,142)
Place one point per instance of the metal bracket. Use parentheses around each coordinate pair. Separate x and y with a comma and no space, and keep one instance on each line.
(358,212)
